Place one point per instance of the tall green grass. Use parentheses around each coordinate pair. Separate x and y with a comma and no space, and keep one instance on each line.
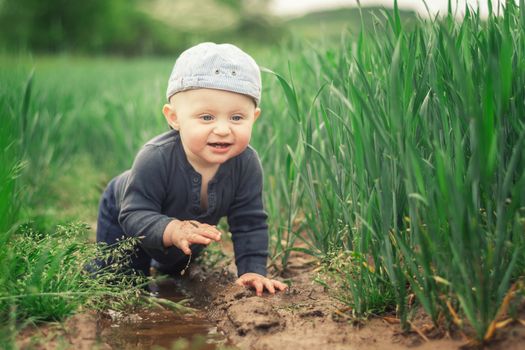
(43,274)
(76,114)
(9,204)
(411,156)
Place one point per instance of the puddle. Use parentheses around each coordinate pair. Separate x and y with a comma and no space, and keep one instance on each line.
(160,329)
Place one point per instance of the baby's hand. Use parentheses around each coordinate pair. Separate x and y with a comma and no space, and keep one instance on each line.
(182,234)
(259,283)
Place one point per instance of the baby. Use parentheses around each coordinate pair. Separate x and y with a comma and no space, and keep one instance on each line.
(183,181)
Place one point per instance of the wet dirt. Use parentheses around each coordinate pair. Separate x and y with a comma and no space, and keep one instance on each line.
(162,327)
(152,328)
(303,317)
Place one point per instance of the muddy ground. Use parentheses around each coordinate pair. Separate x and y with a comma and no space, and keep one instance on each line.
(307,317)
(303,317)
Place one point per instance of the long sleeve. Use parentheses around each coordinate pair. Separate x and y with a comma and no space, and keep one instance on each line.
(248,220)
(143,197)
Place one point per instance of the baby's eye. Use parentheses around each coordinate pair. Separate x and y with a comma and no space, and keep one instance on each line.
(207,117)
(237,118)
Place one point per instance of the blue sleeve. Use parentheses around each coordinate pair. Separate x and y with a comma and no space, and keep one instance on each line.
(248,220)
(141,204)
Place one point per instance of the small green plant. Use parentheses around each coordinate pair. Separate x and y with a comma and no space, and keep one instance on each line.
(212,256)
(352,279)
(45,276)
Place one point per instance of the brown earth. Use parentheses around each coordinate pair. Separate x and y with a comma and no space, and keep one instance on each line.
(77,332)
(305,317)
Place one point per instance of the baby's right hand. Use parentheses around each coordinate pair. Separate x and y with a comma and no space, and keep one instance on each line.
(182,234)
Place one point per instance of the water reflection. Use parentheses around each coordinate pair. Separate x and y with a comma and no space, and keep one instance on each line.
(162,329)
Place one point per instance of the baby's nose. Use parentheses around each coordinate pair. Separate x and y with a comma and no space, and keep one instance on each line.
(222,129)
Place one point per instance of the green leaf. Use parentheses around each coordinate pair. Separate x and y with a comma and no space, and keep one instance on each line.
(289,93)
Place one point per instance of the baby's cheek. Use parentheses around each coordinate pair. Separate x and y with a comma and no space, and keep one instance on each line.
(245,136)
(245,141)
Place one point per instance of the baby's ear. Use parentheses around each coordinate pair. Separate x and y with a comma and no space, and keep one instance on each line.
(171,116)
(257,113)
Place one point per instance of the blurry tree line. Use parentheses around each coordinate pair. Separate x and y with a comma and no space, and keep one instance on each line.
(127,27)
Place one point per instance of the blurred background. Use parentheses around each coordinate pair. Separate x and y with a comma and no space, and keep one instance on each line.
(149,27)
(164,27)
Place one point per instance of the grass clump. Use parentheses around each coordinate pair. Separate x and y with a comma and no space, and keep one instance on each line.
(352,279)
(411,154)
(44,276)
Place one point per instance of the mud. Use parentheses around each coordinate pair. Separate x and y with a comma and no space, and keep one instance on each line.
(307,317)
(304,317)
(159,328)
(151,328)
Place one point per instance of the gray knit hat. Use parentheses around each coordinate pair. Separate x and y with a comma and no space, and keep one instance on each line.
(216,66)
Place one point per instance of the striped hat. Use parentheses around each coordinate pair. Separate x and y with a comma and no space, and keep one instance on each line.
(216,66)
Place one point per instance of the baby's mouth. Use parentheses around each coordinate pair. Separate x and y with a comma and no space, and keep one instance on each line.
(219,144)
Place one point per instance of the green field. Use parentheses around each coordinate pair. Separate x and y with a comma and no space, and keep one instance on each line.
(396,158)
(328,24)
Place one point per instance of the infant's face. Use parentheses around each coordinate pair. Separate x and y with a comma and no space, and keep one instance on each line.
(214,125)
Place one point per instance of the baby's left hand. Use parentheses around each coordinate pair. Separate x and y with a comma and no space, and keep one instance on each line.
(259,283)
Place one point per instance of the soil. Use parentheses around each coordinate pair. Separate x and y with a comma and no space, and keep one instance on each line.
(305,317)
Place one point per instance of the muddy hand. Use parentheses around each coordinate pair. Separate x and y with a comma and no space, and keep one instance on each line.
(260,283)
(182,234)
